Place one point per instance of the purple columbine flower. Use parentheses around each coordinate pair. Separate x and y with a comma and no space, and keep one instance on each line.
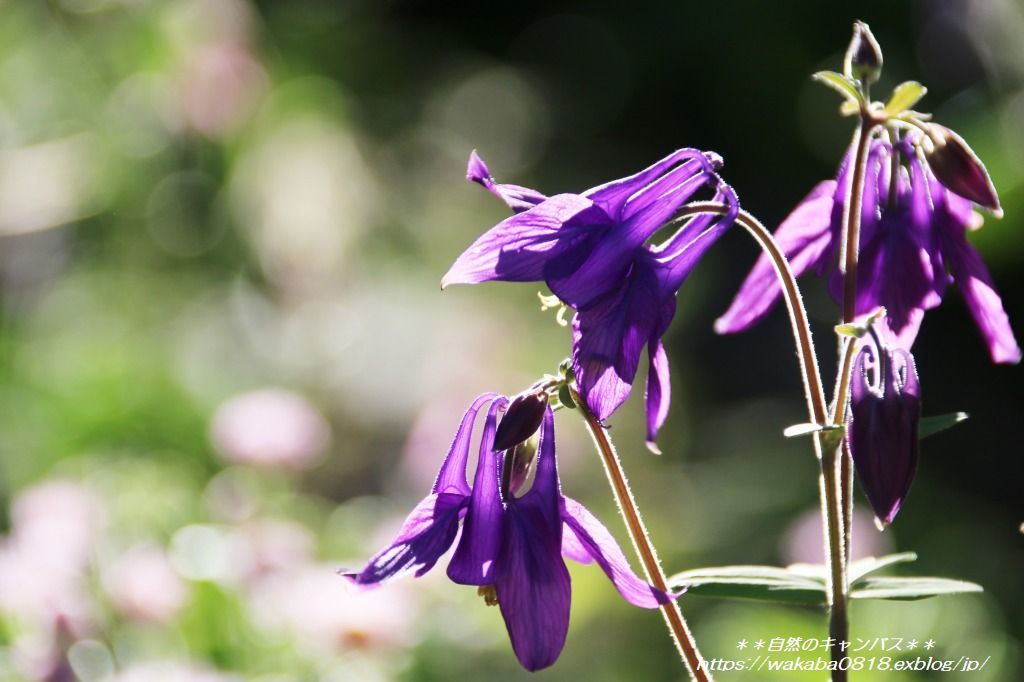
(512,542)
(591,249)
(885,409)
(913,229)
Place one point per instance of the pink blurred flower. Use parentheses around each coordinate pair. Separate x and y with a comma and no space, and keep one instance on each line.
(327,614)
(801,543)
(274,545)
(58,519)
(221,88)
(143,585)
(274,428)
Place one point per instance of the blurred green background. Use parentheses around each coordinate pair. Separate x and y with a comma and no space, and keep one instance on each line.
(227,368)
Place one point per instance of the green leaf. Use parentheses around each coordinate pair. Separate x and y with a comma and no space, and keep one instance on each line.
(565,397)
(909,589)
(932,425)
(764,583)
(904,96)
(841,84)
(862,567)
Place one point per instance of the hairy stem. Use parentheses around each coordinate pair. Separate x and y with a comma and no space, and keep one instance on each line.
(841,512)
(813,390)
(831,481)
(681,634)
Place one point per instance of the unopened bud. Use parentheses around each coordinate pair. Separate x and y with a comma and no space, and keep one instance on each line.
(960,170)
(522,419)
(863,57)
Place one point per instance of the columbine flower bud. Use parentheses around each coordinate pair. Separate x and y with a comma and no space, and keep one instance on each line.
(863,56)
(885,410)
(958,168)
(522,419)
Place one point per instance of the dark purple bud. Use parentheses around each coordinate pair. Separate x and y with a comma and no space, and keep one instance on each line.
(522,419)
(863,56)
(885,409)
(958,168)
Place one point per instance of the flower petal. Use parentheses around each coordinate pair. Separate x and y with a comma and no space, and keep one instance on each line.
(452,476)
(805,236)
(518,198)
(530,577)
(979,292)
(596,539)
(473,562)
(659,391)
(895,267)
(519,248)
(427,533)
(883,429)
(678,256)
(608,260)
(612,196)
(609,336)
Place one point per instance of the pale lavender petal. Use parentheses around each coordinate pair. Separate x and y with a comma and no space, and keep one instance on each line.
(659,391)
(609,336)
(518,198)
(592,534)
(572,548)
(519,248)
(805,237)
(473,561)
(979,292)
(452,476)
(427,533)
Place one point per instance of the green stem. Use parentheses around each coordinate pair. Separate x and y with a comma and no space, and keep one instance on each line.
(830,481)
(678,628)
(838,507)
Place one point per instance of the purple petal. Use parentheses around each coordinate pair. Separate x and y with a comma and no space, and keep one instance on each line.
(596,539)
(533,586)
(612,196)
(572,547)
(427,533)
(452,476)
(895,267)
(609,259)
(979,292)
(519,248)
(473,562)
(659,392)
(518,198)
(680,254)
(530,577)
(882,432)
(804,237)
(609,336)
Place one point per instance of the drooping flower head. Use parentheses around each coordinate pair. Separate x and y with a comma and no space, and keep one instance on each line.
(513,538)
(885,410)
(592,251)
(913,242)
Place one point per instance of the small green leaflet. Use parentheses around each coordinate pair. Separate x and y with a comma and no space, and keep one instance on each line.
(932,425)
(904,96)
